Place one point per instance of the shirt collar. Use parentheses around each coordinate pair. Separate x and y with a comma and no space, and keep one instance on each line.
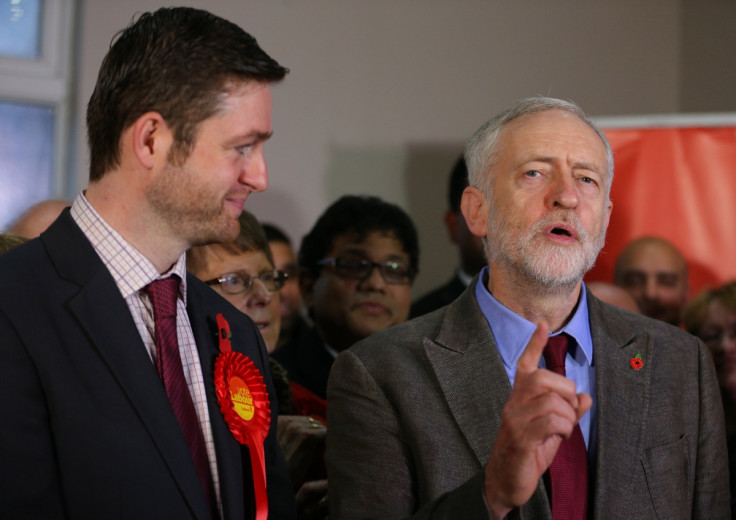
(130,269)
(512,332)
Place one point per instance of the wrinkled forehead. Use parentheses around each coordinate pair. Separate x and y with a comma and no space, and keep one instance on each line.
(552,132)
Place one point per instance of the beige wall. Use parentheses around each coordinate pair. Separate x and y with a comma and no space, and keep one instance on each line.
(382,94)
(708,71)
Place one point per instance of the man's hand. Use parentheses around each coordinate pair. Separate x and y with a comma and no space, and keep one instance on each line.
(542,409)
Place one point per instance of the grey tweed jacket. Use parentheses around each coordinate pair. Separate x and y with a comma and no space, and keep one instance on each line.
(414,412)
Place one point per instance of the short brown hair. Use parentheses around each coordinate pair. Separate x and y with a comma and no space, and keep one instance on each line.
(177,62)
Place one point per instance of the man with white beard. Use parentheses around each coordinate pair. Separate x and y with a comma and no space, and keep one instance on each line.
(528,397)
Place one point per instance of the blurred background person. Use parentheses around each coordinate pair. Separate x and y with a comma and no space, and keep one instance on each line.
(293,322)
(655,273)
(614,295)
(243,272)
(33,221)
(711,316)
(469,247)
(358,263)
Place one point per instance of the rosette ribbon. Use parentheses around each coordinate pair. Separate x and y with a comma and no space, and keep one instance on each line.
(243,399)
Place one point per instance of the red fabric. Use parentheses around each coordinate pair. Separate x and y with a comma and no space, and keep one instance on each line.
(308,404)
(679,184)
(568,473)
(163,294)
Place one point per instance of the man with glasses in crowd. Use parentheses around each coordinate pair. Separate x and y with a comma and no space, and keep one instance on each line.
(357,265)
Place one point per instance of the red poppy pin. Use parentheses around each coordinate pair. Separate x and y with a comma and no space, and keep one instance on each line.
(636,362)
(243,399)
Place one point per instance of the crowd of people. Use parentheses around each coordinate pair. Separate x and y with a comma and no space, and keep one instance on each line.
(167,355)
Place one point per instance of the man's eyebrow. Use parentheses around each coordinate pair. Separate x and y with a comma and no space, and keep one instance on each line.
(262,136)
(250,136)
(551,160)
(357,249)
(586,166)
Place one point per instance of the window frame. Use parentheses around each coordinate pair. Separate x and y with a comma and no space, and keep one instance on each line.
(47,80)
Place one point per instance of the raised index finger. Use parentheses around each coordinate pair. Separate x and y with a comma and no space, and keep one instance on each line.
(529,360)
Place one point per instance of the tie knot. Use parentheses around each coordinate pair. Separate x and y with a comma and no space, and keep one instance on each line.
(555,352)
(163,294)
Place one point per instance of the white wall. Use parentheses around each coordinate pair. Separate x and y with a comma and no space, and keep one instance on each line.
(383,93)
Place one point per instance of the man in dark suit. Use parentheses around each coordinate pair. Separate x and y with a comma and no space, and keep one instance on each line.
(109,403)
(477,411)
(469,247)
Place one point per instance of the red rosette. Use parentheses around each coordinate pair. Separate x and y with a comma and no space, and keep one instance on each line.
(243,399)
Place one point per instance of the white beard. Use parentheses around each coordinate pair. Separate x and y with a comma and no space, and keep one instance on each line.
(534,258)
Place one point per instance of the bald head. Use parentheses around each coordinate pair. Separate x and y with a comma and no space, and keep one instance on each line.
(614,295)
(38,217)
(654,272)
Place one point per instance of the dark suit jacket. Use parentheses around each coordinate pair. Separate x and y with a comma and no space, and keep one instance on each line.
(414,412)
(88,432)
(307,362)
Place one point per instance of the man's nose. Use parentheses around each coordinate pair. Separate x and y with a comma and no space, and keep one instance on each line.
(374,279)
(564,191)
(255,173)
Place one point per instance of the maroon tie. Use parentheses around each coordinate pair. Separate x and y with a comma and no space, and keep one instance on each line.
(163,294)
(568,473)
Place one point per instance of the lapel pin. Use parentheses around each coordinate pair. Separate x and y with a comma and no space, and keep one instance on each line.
(636,362)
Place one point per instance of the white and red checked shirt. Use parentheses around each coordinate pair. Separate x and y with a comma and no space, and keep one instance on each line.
(132,272)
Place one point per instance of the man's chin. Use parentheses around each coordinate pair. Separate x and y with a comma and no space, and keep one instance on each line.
(216,233)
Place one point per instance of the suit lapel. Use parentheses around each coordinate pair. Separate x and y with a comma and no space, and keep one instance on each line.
(622,398)
(228,450)
(467,363)
(103,314)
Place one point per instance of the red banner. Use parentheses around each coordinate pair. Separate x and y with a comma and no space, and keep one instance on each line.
(678,184)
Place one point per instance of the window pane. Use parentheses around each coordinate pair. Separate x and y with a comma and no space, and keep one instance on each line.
(20,28)
(26,151)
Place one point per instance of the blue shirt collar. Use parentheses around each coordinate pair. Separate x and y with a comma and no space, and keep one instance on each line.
(512,332)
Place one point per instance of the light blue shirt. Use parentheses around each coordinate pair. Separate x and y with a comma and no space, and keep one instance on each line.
(512,334)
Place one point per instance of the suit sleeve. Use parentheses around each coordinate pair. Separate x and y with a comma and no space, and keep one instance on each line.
(711,495)
(369,462)
(28,471)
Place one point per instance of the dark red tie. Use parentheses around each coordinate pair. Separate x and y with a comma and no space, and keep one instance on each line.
(163,294)
(568,473)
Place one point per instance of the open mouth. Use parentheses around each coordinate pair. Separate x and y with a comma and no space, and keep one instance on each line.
(561,232)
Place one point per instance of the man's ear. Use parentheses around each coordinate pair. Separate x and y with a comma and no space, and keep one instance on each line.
(475,210)
(609,209)
(151,139)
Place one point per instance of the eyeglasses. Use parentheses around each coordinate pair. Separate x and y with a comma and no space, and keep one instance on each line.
(240,281)
(394,273)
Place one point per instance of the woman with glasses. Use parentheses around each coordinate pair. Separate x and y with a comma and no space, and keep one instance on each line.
(242,272)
